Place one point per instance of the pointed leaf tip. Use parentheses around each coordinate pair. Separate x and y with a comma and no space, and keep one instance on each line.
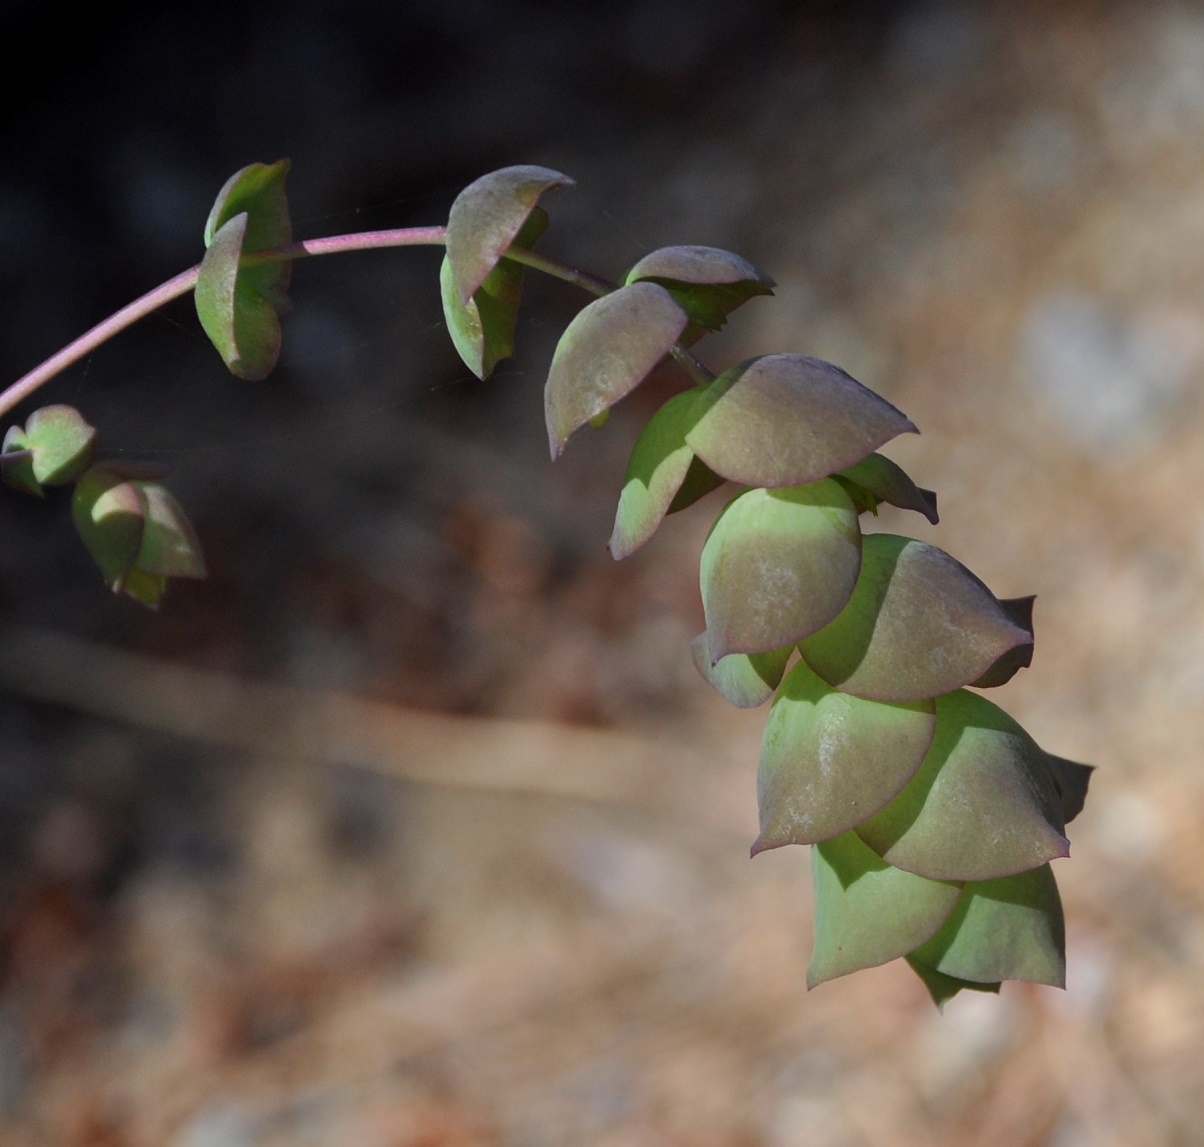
(886,481)
(487,216)
(606,352)
(788,419)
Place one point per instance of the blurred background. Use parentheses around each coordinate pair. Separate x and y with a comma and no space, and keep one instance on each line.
(413,825)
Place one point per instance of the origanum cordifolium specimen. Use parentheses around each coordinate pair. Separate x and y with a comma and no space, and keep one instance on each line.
(932,815)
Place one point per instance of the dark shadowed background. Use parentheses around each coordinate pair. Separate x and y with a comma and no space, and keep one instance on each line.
(413,824)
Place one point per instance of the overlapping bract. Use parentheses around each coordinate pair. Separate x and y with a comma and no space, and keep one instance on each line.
(934,817)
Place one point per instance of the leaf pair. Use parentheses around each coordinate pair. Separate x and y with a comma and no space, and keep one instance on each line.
(135,530)
(239,299)
(950,789)
(708,435)
(972,935)
(481,290)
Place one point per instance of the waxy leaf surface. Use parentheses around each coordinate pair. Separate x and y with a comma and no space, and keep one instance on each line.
(829,760)
(1009,929)
(778,565)
(744,679)
(886,481)
(660,461)
(708,282)
(487,217)
(868,913)
(983,804)
(482,330)
(918,624)
(606,352)
(787,419)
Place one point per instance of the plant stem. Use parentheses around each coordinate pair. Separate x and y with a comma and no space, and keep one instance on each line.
(184,282)
(101,333)
(695,369)
(583,279)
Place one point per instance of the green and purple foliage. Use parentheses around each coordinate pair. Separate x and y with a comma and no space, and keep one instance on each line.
(933,817)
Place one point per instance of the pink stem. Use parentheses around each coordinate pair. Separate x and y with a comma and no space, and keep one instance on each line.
(184,282)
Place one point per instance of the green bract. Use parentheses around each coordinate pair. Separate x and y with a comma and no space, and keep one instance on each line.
(984,803)
(786,419)
(135,530)
(779,565)
(486,219)
(918,624)
(707,282)
(53,449)
(829,760)
(482,329)
(239,300)
(867,912)
(606,352)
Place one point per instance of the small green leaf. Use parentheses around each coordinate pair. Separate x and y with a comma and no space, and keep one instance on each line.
(109,515)
(778,565)
(660,461)
(169,546)
(258,191)
(16,463)
(483,328)
(787,419)
(606,352)
(487,217)
(239,321)
(868,913)
(144,587)
(918,624)
(135,530)
(239,299)
(885,481)
(829,761)
(1008,929)
(983,805)
(708,283)
(943,988)
(745,679)
(62,443)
